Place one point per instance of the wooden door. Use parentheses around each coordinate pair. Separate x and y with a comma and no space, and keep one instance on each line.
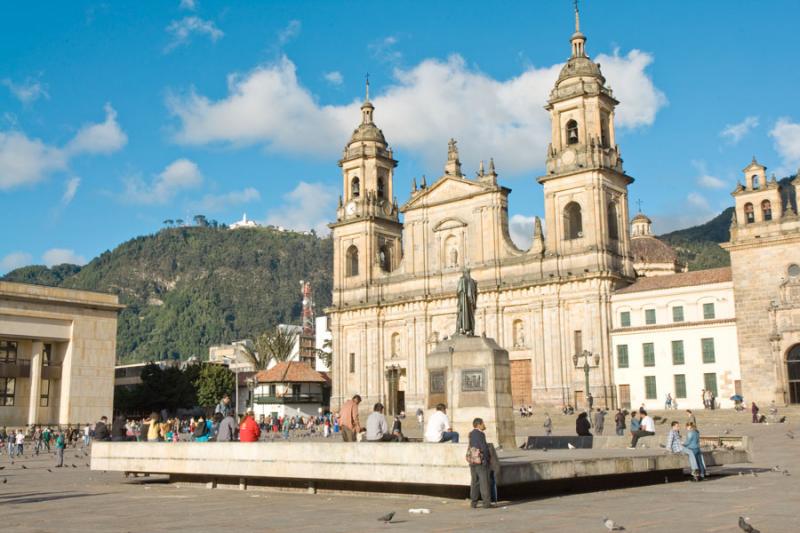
(521,382)
(625,396)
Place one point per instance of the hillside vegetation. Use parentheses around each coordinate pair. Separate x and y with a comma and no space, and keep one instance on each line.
(191,287)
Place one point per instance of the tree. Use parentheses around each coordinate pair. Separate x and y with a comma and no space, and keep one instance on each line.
(213,382)
(325,354)
(200,220)
(169,222)
(179,222)
(277,344)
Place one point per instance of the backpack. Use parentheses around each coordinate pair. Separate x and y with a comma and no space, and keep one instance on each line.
(474,456)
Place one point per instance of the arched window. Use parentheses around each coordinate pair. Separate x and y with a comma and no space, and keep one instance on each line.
(756,183)
(766,210)
(385,258)
(355,187)
(572,132)
(519,333)
(352,261)
(613,226)
(793,373)
(749,213)
(380,187)
(573,222)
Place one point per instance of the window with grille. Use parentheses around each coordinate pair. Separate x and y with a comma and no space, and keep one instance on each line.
(625,319)
(622,356)
(650,392)
(677,353)
(710,381)
(708,350)
(708,311)
(680,385)
(7,387)
(649,354)
(677,313)
(649,316)
(8,352)
(44,393)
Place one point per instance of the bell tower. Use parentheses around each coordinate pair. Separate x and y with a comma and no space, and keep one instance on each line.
(367,231)
(585,186)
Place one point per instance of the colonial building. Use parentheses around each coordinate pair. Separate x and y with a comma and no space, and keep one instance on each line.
(394,281)
(57,354)
(765,259)
(558,306)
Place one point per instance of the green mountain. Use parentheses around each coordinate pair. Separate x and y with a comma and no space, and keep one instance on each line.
(191,287)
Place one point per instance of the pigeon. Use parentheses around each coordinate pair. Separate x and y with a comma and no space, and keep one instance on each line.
(611,525)
(386,518)
(2,468)
(753,473)
(5,480)
(776,468)
(544,449)
(790,435)
(747,528)
(786,473)
(570,446)
(24,467)
(74,466)
(49,470)
(726,432)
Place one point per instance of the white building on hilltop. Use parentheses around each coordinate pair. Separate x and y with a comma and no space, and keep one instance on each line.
(244,223)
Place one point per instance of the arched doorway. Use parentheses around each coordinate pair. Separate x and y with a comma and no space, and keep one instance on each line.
(793,371)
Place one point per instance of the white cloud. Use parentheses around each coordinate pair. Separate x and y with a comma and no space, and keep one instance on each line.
(15,260)
(520,228)
(25,161)
(419,112)
(218,202)
(384,50)
(102,138)
(786,135)
(308,206)
(334,77)
(698,201)
(189,5)
(184,29)
(705,179)
(70,189)
(291,31)
(58,256)
(735,132)
(179,175)
(28,91)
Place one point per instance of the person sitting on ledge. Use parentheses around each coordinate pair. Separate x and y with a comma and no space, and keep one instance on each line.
(439,429)
(648,428)
(248,429)
(377,428)
(582,425)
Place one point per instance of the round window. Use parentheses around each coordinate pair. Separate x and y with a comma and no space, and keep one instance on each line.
(794,270)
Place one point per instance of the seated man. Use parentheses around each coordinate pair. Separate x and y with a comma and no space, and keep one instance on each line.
(377,429)
(439,429)
(647,428)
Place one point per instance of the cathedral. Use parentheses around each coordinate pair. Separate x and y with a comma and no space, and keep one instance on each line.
(550,306)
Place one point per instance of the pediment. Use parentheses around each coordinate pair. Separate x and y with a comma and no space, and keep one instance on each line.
(449,223)
(446,189)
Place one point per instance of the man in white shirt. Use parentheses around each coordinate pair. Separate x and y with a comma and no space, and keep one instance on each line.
(647,428)
(377,428)
(439,429)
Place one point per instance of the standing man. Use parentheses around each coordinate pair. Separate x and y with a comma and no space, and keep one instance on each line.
(691,418)
(224,406)
(420,417)
(60,445)
(478,453)
(101,431)
(348,419)
(619,423)
(590,400)
(599,421)
(439,429)
(548,425)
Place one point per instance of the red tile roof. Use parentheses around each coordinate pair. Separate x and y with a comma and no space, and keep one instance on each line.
(684,279)
(290,372)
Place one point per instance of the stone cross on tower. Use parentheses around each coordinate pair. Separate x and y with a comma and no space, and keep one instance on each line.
(453,166)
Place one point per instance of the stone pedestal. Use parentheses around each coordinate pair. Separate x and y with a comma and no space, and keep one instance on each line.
(472,377)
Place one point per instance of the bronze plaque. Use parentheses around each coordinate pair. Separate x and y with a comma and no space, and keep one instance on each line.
(473,380)
(436,385)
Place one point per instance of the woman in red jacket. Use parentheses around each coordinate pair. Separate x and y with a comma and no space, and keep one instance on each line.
(248,429)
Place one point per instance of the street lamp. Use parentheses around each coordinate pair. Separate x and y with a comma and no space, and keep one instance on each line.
(236,385)
(586,354)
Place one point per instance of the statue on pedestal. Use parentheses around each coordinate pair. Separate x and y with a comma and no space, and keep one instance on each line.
(467,293)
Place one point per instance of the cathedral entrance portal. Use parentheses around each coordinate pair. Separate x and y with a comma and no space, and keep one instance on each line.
(793,372)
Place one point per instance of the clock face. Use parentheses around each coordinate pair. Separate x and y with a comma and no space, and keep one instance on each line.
(351,208)
(568,158)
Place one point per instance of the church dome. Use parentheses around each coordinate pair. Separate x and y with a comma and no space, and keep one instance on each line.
(648,249)
(367,132)
(641,217)
(580,66)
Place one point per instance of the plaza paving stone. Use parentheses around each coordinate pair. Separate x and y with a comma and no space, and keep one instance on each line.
(76,499)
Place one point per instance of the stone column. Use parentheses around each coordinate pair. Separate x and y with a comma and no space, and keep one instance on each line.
(37,351)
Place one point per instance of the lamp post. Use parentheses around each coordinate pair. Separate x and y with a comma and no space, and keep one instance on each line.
(586,354)
(236,384)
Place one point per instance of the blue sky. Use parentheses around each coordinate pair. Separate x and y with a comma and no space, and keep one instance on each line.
(115,116)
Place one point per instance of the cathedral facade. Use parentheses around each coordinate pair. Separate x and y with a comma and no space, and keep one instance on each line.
(394,282)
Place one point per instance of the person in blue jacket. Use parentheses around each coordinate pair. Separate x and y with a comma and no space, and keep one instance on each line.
(691,447)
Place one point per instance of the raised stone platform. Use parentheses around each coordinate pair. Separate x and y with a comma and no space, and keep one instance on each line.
(435,469)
